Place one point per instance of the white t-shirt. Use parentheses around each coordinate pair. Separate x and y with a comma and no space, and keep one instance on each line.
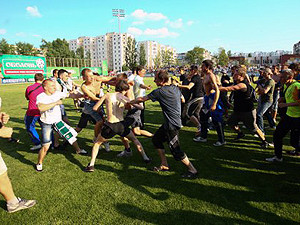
(137,90)
(52,115)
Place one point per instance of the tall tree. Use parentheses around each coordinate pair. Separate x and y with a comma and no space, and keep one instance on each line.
(58,48)
(195,56)
(229,53)
(23,48)
(223,58)
(167,57)
(142,55)
(6,48)
(131,53)
(80,52)
(157,61)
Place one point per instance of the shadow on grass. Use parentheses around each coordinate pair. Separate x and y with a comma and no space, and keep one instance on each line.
(175,216)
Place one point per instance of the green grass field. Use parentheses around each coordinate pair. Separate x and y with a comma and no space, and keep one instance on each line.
(235,184)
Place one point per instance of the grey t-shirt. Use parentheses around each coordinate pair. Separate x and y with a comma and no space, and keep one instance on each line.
(169,98)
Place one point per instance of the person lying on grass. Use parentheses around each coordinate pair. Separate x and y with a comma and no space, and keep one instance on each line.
(115,124)
(169,97)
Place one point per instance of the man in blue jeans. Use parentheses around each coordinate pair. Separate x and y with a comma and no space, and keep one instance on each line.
(265,90)
(33,114)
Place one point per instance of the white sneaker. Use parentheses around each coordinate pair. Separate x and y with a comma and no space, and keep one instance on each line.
(22,204)
(218,143)
(82,152)
(125,154)
(39,167)
(36,147)
(200,139)
(106,146)
(274,159)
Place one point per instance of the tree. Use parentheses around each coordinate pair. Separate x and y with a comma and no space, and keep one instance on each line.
(80,52)
(142,55)
(157,61)
(131,53)
(6,48)
(195,56)
(249,55)
(222,57)
(58,48)
(23,48)
(229,53)
(167,57)
(125,68)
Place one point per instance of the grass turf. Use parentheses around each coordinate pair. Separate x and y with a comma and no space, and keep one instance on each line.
(235,184)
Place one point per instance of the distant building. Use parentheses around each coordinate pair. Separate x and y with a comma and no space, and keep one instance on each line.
(182,61)
(296,48)
(154,49)
(290,58)
(110,47)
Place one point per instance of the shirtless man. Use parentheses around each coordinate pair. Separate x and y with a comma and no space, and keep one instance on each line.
(115,124)
(212,105)
(89,91)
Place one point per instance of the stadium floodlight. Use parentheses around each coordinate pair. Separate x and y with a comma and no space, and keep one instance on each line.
(118,13)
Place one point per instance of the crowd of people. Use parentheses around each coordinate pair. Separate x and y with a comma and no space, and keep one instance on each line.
(199,96)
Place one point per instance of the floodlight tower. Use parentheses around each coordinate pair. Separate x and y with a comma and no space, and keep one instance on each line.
(118,13)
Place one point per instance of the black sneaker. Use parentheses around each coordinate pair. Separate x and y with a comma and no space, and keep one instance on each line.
(293,153)
(13,140)
(89,168)
(239,136)
(189,175)
(266,144)
(147,161)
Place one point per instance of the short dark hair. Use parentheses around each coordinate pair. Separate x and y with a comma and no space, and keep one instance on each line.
(162,75)
(287,73)
(208,64)
(122,76)
(139,68)
(84,71)
(38,77)
(54,71)
(133,69)
(61,71)
(122,85)
(295,66)
(194,67)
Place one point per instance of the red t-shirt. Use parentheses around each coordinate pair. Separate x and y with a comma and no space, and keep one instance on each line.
(32,108)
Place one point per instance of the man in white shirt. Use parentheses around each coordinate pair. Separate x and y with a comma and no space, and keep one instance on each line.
(49,103)
(139,88)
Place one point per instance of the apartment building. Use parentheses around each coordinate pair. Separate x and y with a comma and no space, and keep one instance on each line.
(110,47)
(296,48)
(153,49)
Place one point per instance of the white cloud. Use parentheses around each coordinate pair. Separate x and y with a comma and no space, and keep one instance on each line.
(21,34)
(33,11)
(190,23)
(2,31)
(142,15)
(135,31)
(135,23)
(36,35)
(161,32)
(175,24)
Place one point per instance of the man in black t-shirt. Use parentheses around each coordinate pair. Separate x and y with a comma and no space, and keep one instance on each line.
(168,97)
(195,102)
(243,107)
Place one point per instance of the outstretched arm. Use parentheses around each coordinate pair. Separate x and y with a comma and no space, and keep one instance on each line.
(139,100)
(99,103)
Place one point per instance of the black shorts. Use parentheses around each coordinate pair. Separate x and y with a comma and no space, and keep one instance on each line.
(84,119)
(170,135)
(133,117)
(194,106)
(109,130)
(248,119)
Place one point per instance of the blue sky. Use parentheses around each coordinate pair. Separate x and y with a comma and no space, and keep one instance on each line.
(236,25)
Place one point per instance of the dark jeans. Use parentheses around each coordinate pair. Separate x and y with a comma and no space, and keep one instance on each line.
(217,121)
(284,126)
(30,122)
(263,109)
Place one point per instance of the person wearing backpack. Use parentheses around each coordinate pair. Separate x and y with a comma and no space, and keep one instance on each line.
(265,89)
(243,106)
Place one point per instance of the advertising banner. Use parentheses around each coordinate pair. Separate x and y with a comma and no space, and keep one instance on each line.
(20,68)
(73,70)
(104,67)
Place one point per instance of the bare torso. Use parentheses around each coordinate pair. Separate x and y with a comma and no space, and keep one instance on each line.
(208,84)
(115,105)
